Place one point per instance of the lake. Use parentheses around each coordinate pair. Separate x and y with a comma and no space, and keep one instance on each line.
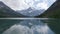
(29,26)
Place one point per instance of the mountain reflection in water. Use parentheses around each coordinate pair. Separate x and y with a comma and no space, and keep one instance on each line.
(29,26)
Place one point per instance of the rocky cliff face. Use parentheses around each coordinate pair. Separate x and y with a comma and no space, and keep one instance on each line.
(52,12)
(5,11)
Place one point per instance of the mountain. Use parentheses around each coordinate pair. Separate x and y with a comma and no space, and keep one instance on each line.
(5,11)
(52,12)
(31,12)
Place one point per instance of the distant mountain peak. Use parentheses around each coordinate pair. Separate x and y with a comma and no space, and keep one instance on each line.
(31,12)
(29,8)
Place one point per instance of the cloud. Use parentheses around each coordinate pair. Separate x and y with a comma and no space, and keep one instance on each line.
(16,4)
(25,4)
(42,6)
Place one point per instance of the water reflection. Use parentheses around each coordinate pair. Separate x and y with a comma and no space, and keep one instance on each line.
(29,26)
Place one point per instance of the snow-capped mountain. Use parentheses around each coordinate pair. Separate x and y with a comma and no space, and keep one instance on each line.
(31,12)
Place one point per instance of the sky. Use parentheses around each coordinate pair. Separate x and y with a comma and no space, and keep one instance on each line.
(25,4)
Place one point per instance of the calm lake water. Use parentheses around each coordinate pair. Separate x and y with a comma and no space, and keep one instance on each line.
(30,26)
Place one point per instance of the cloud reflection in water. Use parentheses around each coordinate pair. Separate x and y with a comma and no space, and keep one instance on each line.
(29,27)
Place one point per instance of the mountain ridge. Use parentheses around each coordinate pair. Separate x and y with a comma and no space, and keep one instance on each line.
(6,11)
(52,12)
